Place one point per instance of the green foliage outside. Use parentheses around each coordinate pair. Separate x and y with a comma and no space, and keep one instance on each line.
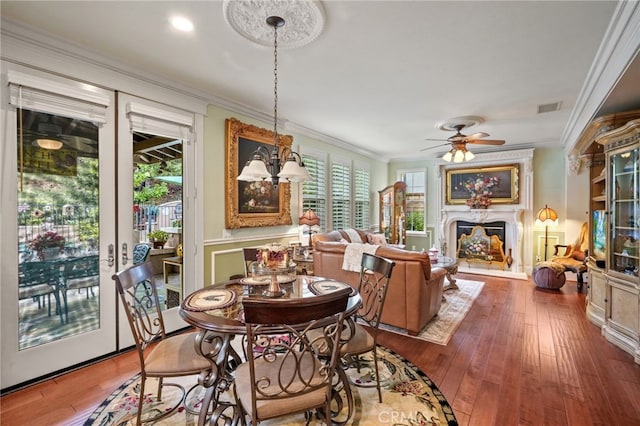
(414,221)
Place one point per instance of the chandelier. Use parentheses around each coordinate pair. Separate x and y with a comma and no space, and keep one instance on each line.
(276,165)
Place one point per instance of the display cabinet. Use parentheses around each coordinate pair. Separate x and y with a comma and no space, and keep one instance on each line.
(622,285)
(393,206)
(593,156)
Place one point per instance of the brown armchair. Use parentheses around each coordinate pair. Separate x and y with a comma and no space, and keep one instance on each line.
(573,257)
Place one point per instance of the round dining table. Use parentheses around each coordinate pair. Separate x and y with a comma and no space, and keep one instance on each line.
(216,312)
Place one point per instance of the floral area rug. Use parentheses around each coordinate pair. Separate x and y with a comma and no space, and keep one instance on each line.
(409,398)
(454,308)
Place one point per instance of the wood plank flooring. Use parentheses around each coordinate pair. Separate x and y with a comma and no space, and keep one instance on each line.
(522,356)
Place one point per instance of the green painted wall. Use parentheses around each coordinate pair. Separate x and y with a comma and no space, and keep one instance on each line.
(216,237)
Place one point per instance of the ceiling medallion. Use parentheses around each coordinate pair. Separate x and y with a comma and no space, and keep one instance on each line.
(453,123)
(304,18)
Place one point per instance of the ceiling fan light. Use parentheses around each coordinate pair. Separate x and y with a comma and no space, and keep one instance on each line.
(458,157)
(468,156)
(48,143)
(447,157)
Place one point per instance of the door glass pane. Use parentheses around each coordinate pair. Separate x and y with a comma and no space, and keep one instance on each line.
(58,225)
(157,210)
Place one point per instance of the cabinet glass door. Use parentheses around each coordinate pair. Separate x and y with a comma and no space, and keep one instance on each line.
(625,222)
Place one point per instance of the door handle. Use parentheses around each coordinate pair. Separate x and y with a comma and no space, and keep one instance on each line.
(111,257)
(125,256)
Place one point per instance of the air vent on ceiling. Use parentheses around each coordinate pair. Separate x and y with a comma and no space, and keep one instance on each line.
(554,106)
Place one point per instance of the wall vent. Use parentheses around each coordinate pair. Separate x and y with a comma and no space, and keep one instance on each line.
(554,106)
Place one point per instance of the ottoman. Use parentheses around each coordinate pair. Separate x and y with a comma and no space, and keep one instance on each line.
(549,275)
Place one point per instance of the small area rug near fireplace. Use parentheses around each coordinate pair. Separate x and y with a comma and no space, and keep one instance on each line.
(453,310)
(409,398)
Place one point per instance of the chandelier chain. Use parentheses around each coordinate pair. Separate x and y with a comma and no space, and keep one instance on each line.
(275,83)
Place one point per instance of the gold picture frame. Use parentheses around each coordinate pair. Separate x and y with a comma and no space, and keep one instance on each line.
(253,204)
(505,192)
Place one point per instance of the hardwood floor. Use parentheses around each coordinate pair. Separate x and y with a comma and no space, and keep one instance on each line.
(522,356)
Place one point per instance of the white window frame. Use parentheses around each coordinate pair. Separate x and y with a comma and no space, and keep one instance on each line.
(399,174)
(324,216)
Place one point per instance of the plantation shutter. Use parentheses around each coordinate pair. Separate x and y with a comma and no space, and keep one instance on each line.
(314,194)
(340,196)
(361,197)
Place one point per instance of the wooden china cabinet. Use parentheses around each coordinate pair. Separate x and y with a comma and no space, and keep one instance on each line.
(393,207)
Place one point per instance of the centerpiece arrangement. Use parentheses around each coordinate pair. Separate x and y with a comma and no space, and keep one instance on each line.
(480,190)
(273,260)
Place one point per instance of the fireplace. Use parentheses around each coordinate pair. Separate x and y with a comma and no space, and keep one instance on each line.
(511,223)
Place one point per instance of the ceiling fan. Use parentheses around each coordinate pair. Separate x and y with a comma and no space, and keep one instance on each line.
(459,141)
(41,131)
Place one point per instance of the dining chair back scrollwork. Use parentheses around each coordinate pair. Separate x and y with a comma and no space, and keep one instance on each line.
(160,356)
(375,274)
(286,372)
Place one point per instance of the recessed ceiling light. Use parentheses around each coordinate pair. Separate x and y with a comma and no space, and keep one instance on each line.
(181,23)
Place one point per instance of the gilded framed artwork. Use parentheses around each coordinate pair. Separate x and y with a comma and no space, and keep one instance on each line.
(253,204)
(501,182)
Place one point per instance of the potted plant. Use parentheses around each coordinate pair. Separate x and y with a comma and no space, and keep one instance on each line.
(158,238)
(48,245)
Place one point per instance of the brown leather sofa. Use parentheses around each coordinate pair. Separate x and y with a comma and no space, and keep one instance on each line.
(415,293)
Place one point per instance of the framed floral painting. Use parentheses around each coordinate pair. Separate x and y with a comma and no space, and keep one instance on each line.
(253,204)
(481,187)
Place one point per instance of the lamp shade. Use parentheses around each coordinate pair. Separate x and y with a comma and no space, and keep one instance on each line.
(309,218)
(294,172)
(547,216)
(254,170)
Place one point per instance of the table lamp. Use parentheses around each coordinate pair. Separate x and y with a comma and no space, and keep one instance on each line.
(308,220)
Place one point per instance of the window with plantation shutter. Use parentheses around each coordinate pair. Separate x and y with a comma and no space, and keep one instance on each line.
(416,181)
(314,192)
(340,196)
(361,197)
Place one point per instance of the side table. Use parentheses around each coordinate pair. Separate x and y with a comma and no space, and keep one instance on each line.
(450,265)
(304,265)
(173,292)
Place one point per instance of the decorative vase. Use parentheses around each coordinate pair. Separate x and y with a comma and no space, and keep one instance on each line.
(509,259)
(49,253)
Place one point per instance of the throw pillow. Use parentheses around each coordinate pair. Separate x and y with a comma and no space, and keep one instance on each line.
(377,239)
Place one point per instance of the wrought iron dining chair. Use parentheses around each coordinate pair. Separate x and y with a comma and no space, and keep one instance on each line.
(160,356)
(250,256)
(286,372)
(40,279)
(79,273)
(375,274)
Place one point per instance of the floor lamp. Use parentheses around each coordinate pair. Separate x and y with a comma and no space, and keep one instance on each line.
(546,216)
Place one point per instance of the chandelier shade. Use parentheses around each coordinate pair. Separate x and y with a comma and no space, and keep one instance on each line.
(278,165)
(458,155)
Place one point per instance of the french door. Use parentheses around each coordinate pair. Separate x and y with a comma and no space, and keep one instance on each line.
(79,193)
(154,194)
(58,227)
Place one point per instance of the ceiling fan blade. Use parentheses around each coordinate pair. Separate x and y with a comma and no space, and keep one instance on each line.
(437,140)
(435,146)
(478,135)
(486,141)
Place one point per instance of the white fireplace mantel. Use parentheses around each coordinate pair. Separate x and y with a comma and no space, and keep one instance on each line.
(515,216)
